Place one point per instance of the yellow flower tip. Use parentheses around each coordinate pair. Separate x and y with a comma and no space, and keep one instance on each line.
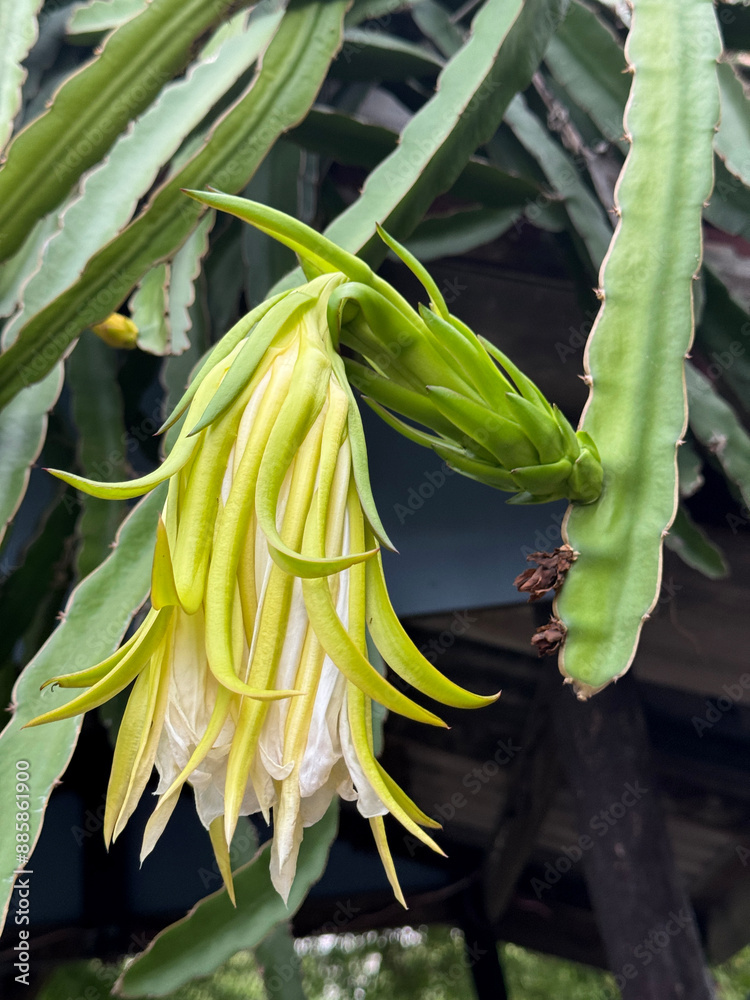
(117,331)
(163,589)
(56,715)
(220,844)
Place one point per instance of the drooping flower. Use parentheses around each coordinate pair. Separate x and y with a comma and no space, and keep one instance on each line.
(252,676)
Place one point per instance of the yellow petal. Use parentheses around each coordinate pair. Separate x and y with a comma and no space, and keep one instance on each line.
(221,850)
(381,842)
(117,679)
(402,655)
(357,709)
(163,590)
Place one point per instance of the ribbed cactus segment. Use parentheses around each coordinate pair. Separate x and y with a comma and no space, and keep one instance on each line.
(635,355)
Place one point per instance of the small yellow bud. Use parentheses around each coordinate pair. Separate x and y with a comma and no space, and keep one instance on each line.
(117,331)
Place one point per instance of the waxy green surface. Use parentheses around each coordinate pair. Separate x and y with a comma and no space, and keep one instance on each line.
(636,410)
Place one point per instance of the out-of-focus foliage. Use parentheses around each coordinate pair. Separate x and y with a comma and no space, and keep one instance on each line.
(425,963)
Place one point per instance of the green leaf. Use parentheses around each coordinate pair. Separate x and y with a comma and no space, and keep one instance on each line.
(92,19)
(375,55)
(636,411)
(93,107)
(587,60)
(460,232)
(359,143)
(435,22)
(374,10)
(149,308)
(275,184)
(96,616)
(178,370)
(89,979)
(98,415)
(723,335)
(23,425)
(694,547)
(15,272)
(186,268)
(718,428)
(507,41)
(689,470)
(729,207)
(280,964)
(26,614)
(583,208)
(732,142)
(133,164)
(213,930)
(292,71)
(18,30)
(734,19)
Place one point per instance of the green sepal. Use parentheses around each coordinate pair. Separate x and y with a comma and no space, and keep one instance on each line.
(385,391)
(409,432)
(586,478)
(525,499)
(545,480)
(488,384)
(524,384)
(402,343)
(571,442)
(537,424)
(455,457)
(416,268)
(588,443)
(501,437)
(304,241)
(474,468)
